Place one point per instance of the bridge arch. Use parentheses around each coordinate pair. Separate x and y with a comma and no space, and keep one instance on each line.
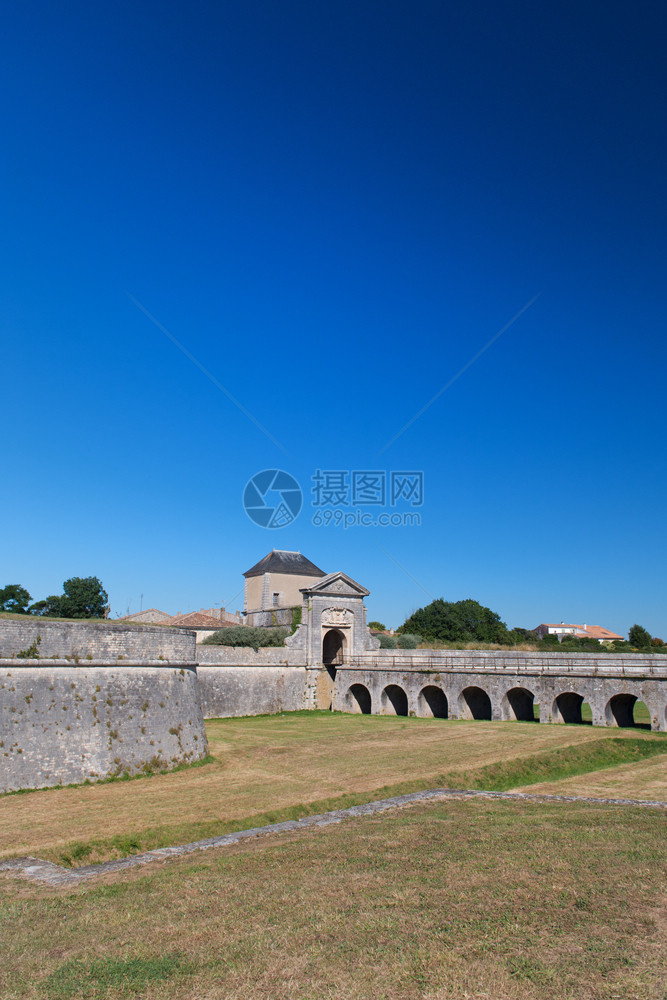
(474,703)
(432,703)
(518,705)
(358,699)
(567,708)
(621,710)
(394,700)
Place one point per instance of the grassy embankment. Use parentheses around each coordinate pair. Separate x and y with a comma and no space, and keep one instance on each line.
(273,768)
(463,899)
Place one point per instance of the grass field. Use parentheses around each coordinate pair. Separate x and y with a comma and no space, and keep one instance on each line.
(646,779)
(455,901)
(282,767)
(461,900)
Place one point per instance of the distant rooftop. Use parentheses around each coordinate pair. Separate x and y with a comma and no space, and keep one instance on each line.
(195,619)
(281,561)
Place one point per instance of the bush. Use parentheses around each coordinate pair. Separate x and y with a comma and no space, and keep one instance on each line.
(296,619)
(387,642)
(408,641)
(639,637)
(246,635)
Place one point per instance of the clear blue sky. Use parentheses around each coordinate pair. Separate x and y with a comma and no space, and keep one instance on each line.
(333,208)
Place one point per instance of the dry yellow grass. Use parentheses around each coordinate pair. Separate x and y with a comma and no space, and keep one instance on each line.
(267,764)
(496,900)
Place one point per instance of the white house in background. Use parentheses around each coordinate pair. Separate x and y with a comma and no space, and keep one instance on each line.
(580,631)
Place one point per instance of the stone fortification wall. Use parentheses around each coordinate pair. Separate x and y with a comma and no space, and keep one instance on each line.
(244,656)
(253,690)
(237,680)
(270,619)
(61,723)
(96,640)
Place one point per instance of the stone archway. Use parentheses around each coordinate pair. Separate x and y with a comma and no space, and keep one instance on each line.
(621,710)
(333,644)
(567,708)
(518,705)
(432,703)
(394,700)
(474,703)
(358,699)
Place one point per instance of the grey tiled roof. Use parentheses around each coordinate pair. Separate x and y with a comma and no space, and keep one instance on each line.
(280,561)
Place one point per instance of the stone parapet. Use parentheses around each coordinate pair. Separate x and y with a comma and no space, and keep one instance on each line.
(96,640)
(513,661)
(246,656)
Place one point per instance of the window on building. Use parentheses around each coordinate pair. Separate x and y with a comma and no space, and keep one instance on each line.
(276,600)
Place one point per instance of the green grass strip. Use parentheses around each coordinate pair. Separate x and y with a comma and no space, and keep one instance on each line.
(554,765)
(125,976)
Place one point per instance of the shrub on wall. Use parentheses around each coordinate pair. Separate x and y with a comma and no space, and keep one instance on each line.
(246,635)
(408,641)
(296,619)
(387,642)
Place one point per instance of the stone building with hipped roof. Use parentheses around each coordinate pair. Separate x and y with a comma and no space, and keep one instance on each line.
(274,585)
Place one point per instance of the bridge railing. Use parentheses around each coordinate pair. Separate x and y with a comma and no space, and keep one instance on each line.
(613,667)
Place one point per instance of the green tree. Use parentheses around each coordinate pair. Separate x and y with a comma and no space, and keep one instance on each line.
(377,626)
(639,637)
(14,598)
(50,607)
(524,635)
(460,621)
(84,597)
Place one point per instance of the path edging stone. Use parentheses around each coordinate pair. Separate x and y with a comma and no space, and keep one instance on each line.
(46,872)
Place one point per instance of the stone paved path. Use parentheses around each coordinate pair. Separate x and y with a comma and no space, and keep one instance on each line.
(35,870)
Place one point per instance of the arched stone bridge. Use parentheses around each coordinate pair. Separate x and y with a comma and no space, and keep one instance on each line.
(501,686)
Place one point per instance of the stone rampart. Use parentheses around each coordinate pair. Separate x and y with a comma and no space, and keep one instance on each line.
(253,690)
(244,656)
(95,640)
(62,723)
(237,680)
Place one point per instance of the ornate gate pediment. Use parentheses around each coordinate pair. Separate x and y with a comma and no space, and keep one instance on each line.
(337,617)
(338,585)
